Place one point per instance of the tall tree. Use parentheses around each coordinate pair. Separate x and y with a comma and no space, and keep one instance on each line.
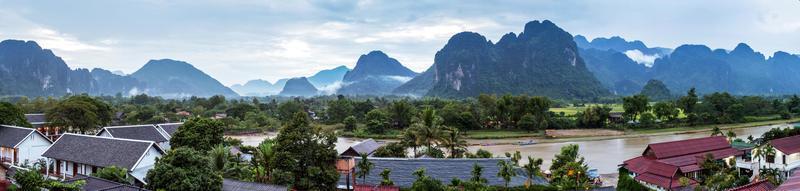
(506,171)
(665,111)
(339,109)
(454,141)
(12,115)
(476,172)
(385,178)
(304,156)
(569,169)
(428,128)
(377,121)
(532,169)
(200,134)
(262,160)
(635,105)
(401,112)
(80,114)
(687,103)
(183,168)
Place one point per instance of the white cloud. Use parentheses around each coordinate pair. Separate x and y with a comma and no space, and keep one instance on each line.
(52,39)
(641,58)
(292,49)
(403,79)
(332,88)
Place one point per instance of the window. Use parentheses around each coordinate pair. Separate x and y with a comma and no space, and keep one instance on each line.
(770,158)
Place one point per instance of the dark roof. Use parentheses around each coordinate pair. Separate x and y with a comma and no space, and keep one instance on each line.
(761,185)
(36,118)
(689,146)
(365,147)
(99,184)
(170,128)
(441,169)
(787,145)
(235,185)
(98,151)
(137,132)
(12,135)
(791,183)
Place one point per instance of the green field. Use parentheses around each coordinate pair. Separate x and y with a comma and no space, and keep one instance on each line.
(573,110)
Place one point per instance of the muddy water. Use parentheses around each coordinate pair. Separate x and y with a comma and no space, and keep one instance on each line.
(603,155)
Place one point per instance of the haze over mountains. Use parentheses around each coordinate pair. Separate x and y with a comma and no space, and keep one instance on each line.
(541,60)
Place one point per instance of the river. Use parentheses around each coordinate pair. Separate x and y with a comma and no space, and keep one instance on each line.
(603,155)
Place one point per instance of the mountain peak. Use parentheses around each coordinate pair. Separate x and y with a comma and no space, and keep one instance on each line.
(377,63)
(536,26)
(298,86)
(20,44)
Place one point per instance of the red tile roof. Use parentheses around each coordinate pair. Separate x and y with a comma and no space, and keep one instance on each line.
(664,182)
(689,146)
(761,185)
(791,183)
(663,164)
(787,145)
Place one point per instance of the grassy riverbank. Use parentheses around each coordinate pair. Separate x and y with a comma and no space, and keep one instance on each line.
(517,134)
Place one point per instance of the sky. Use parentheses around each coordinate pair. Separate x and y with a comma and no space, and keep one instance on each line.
(237,41)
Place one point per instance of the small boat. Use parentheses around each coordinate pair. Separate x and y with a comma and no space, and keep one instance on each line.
(528,142)
(488,144)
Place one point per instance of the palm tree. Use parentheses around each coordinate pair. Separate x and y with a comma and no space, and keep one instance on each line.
(428,130)
(477,170)
(364,166)
(506,171)
(385,175)
(731,135)
(758,154)
(716,131)
(533,168)
(219,156)
(769,151)
(454,142)
(263,156)
(409,138)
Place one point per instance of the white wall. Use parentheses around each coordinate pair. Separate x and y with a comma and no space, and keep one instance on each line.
(32,148)
(105,134)
(147,163)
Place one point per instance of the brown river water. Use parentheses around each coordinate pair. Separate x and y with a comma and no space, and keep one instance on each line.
(603,155)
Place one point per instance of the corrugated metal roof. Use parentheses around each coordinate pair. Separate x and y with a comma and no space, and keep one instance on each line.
(787,145)
(441,169)
(791,183)
(689,146)
(235,185)
(99,184)
(761,185)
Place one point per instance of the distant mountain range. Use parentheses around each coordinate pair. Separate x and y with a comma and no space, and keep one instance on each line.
(541,60)
(29,70)
(741,71)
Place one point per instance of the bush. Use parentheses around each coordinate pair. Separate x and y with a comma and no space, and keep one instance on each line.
(395,149)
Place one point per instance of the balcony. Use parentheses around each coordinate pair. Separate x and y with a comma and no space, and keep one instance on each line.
(6,160)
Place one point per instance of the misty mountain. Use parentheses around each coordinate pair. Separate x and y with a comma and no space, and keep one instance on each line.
(298,87)
(258,88)
(172,78)
(109,83)
(542,60)
(27,69)
(328,77)
(375,74)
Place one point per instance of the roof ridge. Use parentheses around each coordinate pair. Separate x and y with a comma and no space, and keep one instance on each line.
(112,138)
(685,140)
(18,127)
(129,126)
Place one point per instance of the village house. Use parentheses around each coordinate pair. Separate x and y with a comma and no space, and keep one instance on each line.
(20,145)
(75,154)
(39,122)
(662,165)
(786,157)
(138,132)
(169,128)
(365,147)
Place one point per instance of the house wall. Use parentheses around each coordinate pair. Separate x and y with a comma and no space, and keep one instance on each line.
(32,148)
(105,134)
(147,163)
(164,145)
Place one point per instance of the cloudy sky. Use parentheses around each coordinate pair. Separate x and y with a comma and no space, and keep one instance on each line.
(236,41)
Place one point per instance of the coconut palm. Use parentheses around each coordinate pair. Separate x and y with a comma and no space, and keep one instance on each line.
(428,128)
(731,135)
(769,151)
(264,153)
(409,138)
(364,166)
(506,171)
(533,168)
(454,141)
(716,131)
(219,156)
(385,176)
